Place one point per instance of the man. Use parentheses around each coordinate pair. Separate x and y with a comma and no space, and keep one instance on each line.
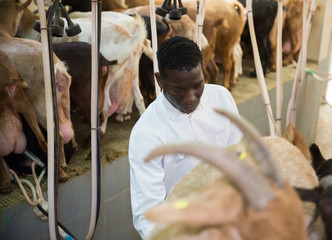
(184,111)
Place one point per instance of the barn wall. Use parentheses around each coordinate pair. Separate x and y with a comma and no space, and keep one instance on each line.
(320,40)
(316,31)
(307,108)
(324,37)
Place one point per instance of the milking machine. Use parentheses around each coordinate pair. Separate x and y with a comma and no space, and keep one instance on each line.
(72,29)
(47,30)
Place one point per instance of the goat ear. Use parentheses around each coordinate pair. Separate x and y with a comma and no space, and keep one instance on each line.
(290,133)
(311,195)
(317,157)
(227,202)
(297,140)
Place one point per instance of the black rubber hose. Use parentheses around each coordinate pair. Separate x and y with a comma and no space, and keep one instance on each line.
(55,110)
(99,10)
(59,223)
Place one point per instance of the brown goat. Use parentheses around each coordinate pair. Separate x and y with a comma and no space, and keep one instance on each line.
(24,52)
(14,102)
(292,32)
(228,33)
(240,212)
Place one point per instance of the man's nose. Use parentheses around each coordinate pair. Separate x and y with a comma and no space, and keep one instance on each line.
(190,96)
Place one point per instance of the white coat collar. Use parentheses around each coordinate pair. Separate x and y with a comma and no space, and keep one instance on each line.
(173,113)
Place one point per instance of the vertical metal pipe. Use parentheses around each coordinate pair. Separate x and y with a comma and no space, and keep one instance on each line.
(154,43)
(259,70)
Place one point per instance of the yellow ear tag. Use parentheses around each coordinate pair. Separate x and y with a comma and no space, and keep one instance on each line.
(181,204)
(242,155)
(20,4)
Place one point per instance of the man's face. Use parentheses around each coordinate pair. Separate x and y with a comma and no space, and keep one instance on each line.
(183,89)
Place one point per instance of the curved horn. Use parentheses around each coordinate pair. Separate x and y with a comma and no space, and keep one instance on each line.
(257,148)
(250,183)
(25,5)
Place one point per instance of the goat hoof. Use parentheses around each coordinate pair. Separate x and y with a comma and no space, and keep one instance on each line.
(231,86)
(63,177)
(88,156)
(5,187)
(273,68)
(253,74)
(127,117)
(119,118)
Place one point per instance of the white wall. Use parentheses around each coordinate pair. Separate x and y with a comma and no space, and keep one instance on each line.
(325,53)
(314,41)
(328,93)
(320,42)
(325,36)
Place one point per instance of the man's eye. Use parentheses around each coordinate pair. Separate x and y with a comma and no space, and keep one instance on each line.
(199,85)
(177,90)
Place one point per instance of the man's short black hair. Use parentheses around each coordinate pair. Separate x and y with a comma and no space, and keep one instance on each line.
(178,53)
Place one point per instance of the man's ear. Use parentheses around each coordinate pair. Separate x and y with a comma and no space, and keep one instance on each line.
(159,79)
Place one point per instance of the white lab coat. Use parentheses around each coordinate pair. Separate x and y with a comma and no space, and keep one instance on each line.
(160,124)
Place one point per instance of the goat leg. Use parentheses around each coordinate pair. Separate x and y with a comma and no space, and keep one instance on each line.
(4,180)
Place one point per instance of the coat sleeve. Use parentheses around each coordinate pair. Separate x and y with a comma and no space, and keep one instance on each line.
(147,187)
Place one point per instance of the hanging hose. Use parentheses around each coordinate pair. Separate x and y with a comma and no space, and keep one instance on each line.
(317,77)
(64,232)
(35,201)
(299,75)
(51,117)
(259,71)
(196,22)
(154,43)
(40,204)
(95,131)
(200,14)
(279,84)
(200,25)
(55,115)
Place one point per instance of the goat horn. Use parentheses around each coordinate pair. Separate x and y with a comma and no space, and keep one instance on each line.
(250,183)
(257,148)
(25,5)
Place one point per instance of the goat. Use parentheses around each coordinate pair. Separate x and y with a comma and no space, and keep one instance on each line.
(124,39)
(244,208)
(26,56)
(322,166)
(321,195)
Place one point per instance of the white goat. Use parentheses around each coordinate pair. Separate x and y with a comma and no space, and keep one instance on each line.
(123,38)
